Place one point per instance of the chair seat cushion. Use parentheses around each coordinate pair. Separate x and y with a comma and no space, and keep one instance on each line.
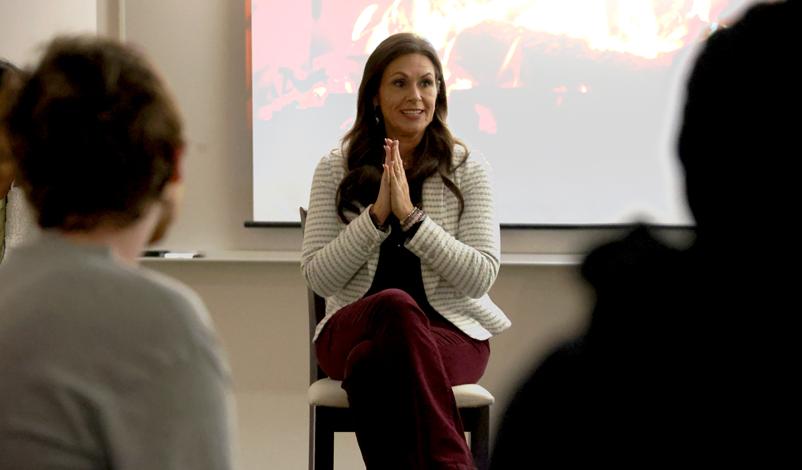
(329,392)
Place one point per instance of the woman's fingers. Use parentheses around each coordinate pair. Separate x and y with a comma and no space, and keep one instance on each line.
(396,179)
(389,154)
(388,174)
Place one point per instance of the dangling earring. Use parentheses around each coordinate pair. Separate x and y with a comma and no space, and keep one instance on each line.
(377,114)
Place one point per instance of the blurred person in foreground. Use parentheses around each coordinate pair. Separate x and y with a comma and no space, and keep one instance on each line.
(16,220)
(104,364)
(690,353)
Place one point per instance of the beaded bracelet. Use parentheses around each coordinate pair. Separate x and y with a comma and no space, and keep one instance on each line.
(413,218)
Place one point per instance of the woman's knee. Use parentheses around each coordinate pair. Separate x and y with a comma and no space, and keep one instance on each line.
(397,306)
(389,299)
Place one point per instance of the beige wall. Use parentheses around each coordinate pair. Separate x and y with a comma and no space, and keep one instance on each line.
(26,24)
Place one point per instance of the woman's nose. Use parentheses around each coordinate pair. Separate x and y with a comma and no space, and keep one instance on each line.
(415,93)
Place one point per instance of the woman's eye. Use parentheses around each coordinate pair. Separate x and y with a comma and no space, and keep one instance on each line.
(398,83)
(427,83)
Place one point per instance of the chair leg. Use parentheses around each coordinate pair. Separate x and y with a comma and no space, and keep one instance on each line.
(321,440)
(480,439)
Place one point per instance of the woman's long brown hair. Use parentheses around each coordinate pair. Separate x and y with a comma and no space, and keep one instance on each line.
(363,145)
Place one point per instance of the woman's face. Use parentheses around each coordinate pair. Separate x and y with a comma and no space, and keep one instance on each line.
(407,96)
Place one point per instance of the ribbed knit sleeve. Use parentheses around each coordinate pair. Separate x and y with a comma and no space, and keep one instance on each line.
(332,255)
(470,260)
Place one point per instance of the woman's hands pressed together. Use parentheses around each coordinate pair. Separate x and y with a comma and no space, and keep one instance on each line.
(394,190)
(382,207)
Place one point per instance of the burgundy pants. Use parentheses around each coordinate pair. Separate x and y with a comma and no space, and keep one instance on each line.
(398,365)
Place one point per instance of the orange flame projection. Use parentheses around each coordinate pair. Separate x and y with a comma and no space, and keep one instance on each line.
(644,32)
(642,28)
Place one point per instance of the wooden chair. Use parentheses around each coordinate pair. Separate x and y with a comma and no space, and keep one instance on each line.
(329,412)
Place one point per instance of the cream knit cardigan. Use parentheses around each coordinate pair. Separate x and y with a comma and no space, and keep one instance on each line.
(459,255)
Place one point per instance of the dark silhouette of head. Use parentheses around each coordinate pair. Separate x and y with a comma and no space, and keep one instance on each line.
(738,142)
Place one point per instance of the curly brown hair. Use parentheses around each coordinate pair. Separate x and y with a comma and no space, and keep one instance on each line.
(95,134)
(10,81)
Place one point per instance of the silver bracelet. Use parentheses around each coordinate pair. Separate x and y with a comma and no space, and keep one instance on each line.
(413,218)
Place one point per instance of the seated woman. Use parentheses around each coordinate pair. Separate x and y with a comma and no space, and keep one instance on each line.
(402,241)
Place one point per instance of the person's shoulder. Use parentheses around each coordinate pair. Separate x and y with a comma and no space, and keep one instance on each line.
(559,368)
(157,297)
(184,316)
(174,297)
(565,361)
(92,286)
(551,386)
(333,157)
(630,258)
(467,163)
(333,162)
(460,155)
(773,14)
(147,295)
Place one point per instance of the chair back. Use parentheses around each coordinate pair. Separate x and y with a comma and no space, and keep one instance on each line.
(317,310)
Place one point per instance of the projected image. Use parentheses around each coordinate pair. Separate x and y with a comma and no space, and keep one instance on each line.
(572,102)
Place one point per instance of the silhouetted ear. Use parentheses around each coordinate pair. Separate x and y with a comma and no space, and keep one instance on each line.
(6,176)
(178,173)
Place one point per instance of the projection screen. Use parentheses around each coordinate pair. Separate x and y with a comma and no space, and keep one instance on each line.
(573,103)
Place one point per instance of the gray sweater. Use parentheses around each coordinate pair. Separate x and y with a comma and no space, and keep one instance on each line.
(104,366)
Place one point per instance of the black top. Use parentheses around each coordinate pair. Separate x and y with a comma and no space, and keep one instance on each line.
(399,268)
